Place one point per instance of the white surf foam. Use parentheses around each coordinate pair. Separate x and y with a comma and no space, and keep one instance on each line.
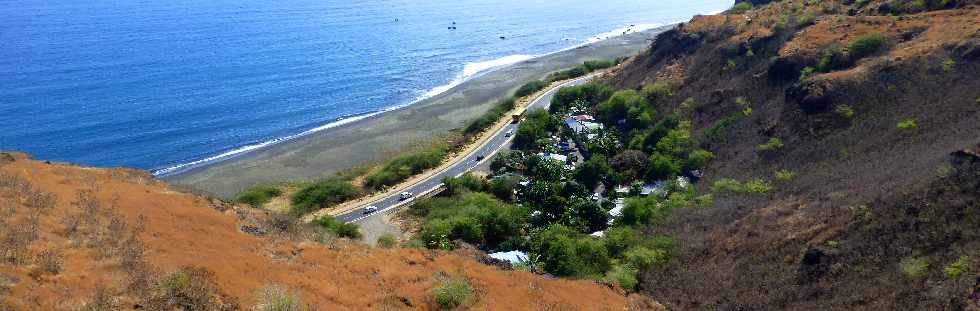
(470,71)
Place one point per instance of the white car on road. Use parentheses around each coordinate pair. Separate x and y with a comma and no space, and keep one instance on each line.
(370,209)
(405,195)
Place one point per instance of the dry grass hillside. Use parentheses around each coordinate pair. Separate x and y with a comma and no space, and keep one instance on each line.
(76,238)
(864,117)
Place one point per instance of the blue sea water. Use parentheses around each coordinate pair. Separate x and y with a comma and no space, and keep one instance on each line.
(154,84)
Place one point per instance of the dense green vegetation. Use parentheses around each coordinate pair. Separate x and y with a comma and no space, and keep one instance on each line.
(539,206)
(491,116)
(530,88)
(533,131)
(585,68)
(322,194)
(740,7)
(867,45)
(400,168)
(341,229)
(258,195)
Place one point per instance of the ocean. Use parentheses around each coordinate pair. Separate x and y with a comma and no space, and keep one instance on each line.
(160,84)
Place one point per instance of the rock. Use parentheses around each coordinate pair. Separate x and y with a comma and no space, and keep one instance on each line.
(406,301)
(814,265)
(812,96)
(785,69)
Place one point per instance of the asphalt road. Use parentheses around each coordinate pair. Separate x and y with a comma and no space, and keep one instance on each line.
(497,142)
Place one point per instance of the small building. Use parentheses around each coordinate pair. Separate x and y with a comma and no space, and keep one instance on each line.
(554,156)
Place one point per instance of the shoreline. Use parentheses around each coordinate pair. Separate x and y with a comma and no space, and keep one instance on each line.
(468,73)
(364,139)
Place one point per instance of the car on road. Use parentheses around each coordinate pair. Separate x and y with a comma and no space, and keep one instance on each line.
(509,133)
(370,209)
(480,157)
(405,195)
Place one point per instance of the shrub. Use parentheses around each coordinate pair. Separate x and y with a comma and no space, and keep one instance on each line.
(452,292)
(642,257)
(844,111)
(867,45)
(624,275)
(593,65)
(758,185)
(400,168)
(589,95)
(188,288)
(276,298)
(658,91)
(703,201)
(664,166)
(745,105)
(530,88)
(908,124)
(784,175)
(726,184)
(698,159)
(957,268)
(740,7)
(563,251)
(774,144)
(258,195)
(948,65)
(491,116)
(474,217)
(914,267)
(341,229)
(627,105)
(323,194)
(807,72)
(387,240)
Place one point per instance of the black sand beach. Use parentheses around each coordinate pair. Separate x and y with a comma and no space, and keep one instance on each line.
(373,139)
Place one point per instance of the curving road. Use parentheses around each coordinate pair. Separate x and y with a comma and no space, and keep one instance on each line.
(497,142)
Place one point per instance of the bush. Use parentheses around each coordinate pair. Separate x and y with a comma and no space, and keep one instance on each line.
(914,267)
(658,91)
(400,168)
(698,159)
(948,65)
(188,288)
(642,257)
(593,65)
(807,72)
(703,201)
(474,217)
(451,293)
(844,111)
(275,298)
(758,185)
(566,252)
(464,183)
(258,195)
(627,105)
(740,7)
(491,116)
(341,229)
(387,240)
(664,166)
(624,275)
(957,268)
(589,95)
(530,88)
(774,144)
(908,124)
(784,175)
(867,45)
(322,194)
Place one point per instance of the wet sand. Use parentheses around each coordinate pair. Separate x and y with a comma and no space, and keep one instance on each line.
(373,139)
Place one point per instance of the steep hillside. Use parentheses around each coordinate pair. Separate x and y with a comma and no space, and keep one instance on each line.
(865,118)
(76,238)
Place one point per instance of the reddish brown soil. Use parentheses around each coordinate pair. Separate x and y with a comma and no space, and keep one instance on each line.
(186,230)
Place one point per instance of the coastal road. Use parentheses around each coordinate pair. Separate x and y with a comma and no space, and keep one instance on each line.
(497,141)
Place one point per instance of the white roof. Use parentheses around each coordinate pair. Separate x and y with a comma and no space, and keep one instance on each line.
(514,257)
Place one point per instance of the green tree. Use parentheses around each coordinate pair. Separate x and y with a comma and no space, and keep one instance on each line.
(593,171)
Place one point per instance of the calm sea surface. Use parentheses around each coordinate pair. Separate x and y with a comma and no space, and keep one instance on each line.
(153,84)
